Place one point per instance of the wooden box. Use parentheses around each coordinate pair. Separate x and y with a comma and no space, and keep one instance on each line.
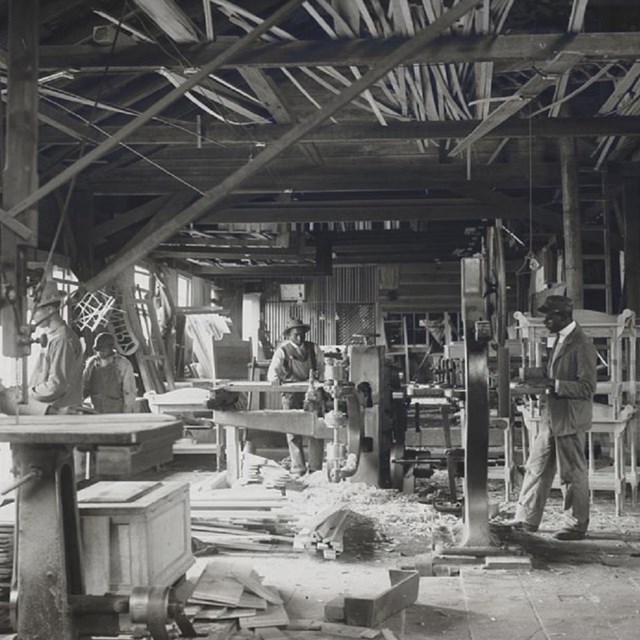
(134,534)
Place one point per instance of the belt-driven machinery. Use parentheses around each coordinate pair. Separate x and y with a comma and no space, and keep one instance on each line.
(48,597)
(345,411)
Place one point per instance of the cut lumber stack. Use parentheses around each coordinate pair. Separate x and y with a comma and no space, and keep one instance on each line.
(7,516)
(242,519)
(226,591)
(324,532)
(259,470)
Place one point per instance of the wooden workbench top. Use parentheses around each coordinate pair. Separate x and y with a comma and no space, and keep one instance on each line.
(102,429)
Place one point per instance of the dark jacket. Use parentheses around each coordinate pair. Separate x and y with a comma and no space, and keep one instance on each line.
(570,408)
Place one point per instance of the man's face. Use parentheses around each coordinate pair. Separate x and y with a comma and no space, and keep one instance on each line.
(556,321)
(297,336)
(42,316)
(105,352)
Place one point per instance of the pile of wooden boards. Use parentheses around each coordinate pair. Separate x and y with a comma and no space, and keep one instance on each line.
(227,591)
(7,516)
(242,519)
(324,532)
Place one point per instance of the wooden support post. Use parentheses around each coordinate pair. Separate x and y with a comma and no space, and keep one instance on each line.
(572,222)
(632,244)
(20,175)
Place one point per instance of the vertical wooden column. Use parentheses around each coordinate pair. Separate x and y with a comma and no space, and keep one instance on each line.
(571,221)
(632,244)
(20,170)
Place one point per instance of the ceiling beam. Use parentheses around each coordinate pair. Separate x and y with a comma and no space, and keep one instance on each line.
(344,213)
(341,178)
(347,132)
(158,107)
(545,77)
(173,21)
(520,50)
(153,235)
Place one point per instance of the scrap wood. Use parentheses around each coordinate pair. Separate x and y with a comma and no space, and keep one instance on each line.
(246,577)
(274,616)
(217,588)
(387,634)
(370,612)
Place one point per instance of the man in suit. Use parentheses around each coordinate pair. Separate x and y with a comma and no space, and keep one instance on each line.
(293,361)
(566,410)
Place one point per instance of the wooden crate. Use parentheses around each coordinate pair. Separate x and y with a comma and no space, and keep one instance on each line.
(134,534)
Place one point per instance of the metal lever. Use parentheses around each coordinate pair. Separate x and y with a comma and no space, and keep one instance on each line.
(35,474)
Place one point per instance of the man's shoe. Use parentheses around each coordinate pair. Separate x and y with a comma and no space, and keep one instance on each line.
(569,534)
(521,525)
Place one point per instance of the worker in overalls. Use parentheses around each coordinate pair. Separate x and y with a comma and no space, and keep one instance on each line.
(108,378)
(56,380)
(293,361)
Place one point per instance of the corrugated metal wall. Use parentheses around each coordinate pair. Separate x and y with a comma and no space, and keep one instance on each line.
(352,285)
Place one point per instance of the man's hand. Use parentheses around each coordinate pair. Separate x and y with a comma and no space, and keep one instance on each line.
(275,383)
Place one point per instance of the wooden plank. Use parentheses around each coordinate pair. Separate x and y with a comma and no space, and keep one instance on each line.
(370,612)
(107,430)
(151,236)
(274,616)
(543,79)
(122,491)
(519,50)
(217,589)
(359,130)
(170,18)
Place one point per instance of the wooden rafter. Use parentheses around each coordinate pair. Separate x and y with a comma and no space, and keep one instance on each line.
(514,51)
(150,113)
(150,237)
(544,78)
(359,130)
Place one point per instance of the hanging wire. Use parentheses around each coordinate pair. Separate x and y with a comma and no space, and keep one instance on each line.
(81,148)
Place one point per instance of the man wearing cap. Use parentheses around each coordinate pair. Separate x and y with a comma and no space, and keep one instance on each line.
(293,361)
(566,411)
(56,381)
(108,378)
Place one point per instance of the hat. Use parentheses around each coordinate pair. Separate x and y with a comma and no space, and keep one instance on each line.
(104,341)
(295,323)
(557,304)
(47,293)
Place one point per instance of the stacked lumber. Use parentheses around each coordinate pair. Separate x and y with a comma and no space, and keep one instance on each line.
(226,591)
(324,532)
(242,519)
(260,470)
(7,516)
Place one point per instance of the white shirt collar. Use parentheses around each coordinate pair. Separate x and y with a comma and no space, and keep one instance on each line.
(563,333)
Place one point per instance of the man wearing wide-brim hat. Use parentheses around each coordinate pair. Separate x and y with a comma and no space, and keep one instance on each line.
(293,361)
(56,381)
(567,413)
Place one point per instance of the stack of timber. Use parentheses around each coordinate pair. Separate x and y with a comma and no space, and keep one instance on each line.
(226,591)
(324,532)
(239,520)
(7,519)
(259,470)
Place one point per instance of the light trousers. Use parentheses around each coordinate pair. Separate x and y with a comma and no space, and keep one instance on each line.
(564,454)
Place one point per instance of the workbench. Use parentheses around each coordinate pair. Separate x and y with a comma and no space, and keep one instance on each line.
(48,560)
